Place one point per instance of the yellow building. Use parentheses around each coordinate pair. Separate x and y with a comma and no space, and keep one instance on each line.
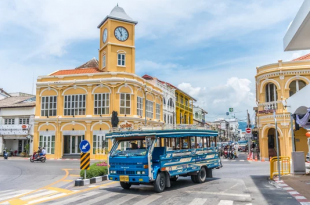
(77,104)
(184,107)
(274,84)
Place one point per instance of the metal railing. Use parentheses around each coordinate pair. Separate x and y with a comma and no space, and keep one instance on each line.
(269,107)
(285,166)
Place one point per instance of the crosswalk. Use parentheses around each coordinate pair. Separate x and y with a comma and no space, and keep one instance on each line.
(56,196)
(118,198)
(30,196)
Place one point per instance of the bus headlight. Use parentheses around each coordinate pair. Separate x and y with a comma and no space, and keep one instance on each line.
(138,172)
(143,172)
(113,172)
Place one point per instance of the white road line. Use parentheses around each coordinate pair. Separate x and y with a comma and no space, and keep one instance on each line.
(122,199)
(198,201)
(219,193)
(226,202)
(75,198)
(47,198)
(46,192)
(242,160)
(288,188)
(97,199)
(148,200)
(13,194)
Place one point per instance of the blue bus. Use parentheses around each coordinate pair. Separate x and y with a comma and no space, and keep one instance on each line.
(161,156)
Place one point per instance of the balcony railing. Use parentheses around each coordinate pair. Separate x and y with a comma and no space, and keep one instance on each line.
(269,107)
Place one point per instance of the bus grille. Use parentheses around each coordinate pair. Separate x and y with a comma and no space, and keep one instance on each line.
(120,172)
(130,172)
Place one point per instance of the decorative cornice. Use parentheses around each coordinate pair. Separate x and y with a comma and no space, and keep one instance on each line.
(289,72)
(271,116)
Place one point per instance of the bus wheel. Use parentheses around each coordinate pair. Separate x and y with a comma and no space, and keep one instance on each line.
(202,174)
(125,185)
(194,178)
(160,182)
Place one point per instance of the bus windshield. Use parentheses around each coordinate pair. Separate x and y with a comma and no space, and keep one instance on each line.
(132,147)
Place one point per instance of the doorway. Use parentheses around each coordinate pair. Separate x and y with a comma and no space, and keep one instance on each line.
(72,144)
(272,144)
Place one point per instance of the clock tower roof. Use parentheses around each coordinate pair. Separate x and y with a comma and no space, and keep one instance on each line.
(118,13)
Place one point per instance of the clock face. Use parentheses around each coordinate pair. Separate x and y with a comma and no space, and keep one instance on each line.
(105,35)
(121,33)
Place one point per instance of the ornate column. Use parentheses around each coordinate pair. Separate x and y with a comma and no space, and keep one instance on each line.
(89,101)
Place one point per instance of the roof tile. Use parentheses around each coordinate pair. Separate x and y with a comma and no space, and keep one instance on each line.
(76,71)
(28,101)
(302,58)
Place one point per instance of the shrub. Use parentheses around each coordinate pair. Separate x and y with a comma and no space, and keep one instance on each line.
(96,169)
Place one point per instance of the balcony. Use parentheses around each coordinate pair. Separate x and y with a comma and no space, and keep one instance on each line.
(270,107)
(14,129)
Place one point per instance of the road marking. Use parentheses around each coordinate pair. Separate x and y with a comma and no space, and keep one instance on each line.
(219,193)
(81,191)
(46,198)
(122,199)
(198,201)
(74,175)
(67,180)
(60,190)
(39,194)
(95,200)
(226,202)
(74,199)
(288,188)
(33,191)
(148,200)
(242,160)
(13,195)
(17,202)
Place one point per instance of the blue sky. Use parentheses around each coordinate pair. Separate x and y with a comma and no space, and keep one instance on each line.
(209,48)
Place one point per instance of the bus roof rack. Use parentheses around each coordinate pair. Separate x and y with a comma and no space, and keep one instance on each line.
(165,133)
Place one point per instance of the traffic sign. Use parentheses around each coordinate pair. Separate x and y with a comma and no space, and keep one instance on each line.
(85,161)
(231,109)
(227,113)
(248,130)
(84,146)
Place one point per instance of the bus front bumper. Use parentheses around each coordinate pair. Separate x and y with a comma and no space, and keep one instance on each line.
(130,179)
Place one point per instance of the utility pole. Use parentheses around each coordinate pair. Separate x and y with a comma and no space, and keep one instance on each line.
(248,126)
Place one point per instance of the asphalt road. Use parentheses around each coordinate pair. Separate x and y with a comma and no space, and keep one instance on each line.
(238,182)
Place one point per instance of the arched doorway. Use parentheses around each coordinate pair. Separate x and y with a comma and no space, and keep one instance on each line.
(272,144)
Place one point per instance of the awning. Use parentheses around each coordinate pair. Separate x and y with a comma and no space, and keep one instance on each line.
(297,36)
(299,102)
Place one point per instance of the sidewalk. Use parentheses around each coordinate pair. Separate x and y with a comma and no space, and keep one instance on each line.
(300,183)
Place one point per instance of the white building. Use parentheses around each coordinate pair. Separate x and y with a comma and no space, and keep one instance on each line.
(17,123)
(169,100)
(200,116)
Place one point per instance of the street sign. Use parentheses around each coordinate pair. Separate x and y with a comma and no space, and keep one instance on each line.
(84,146)
(248,130)
(227,113)
(85,161)
(231,109)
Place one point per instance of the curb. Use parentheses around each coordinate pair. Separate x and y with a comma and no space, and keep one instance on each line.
(300,198)
(84,182)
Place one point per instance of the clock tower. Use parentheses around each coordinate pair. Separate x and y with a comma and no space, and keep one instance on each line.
(117,42)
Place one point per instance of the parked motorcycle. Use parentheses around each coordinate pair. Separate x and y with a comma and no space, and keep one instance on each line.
(35,157)
(226,154)
(233,154)
(5,154)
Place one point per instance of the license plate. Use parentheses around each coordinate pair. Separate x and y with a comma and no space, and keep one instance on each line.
(124,178)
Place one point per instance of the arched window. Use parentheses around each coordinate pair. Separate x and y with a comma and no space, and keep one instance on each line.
(196,115)
(271,92)
(165,118)
(296,86)
(171,122)
(164,101)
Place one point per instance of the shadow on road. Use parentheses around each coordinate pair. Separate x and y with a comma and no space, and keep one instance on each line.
(183,182)
(272,195)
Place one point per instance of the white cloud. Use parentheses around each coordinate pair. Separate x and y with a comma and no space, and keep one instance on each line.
(235,93)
